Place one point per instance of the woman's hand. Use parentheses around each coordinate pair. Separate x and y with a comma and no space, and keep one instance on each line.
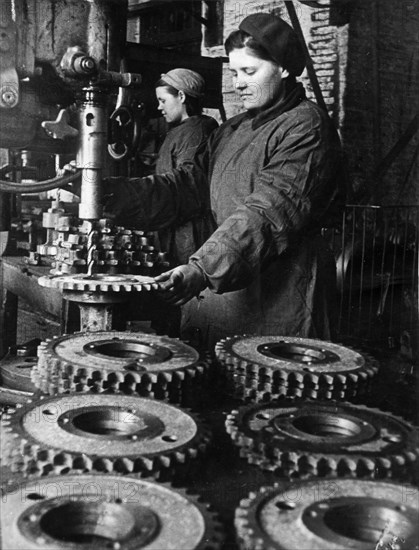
(181,284)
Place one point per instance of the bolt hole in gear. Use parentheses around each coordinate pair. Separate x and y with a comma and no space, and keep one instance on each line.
(112,361)
(96,511)
(330,515)
(299,438)
(105,433)
(262,368)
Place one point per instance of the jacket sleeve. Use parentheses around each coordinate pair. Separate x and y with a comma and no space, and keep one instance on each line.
(192,143)
(159,201)
(291,195)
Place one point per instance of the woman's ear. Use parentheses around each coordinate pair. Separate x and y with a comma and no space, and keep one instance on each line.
(284,72)
(182,96)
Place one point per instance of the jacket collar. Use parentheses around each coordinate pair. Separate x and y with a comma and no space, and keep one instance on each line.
(293,97)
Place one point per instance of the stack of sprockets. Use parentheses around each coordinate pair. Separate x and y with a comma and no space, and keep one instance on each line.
(262,368)
(314,445)
(109,405)
(109,412)
(116,249)
(94,362)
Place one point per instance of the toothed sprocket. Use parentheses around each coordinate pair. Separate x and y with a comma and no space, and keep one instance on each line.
(260,368)
(127,362)
(106,511)
(99,282)
(329,515)
(322,438)
(103,433)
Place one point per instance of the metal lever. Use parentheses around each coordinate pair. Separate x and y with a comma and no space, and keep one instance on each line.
(60,128)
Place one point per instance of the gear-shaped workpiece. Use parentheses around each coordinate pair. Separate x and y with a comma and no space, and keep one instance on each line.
(127,362)
(329,515)
(260,368)
(99,282)
(104,433)
(106,511)
(300,438)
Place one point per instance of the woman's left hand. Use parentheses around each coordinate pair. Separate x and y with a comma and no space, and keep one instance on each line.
(181,284)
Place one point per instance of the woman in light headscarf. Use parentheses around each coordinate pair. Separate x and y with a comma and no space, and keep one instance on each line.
(179,94)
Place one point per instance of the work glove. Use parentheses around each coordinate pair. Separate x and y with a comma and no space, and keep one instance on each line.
(181,284)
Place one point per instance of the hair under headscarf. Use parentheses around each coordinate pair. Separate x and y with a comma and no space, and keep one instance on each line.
(189,82)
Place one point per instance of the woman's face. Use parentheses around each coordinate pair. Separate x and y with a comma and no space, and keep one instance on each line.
(172,107)
(256,81)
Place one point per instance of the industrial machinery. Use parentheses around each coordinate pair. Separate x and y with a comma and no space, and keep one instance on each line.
(80,74)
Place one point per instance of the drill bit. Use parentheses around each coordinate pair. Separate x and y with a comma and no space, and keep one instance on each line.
(91,247)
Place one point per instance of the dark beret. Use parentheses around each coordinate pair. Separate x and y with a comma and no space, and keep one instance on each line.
(278,38)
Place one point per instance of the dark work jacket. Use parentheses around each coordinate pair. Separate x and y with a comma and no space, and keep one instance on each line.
(180,147)
(274,180)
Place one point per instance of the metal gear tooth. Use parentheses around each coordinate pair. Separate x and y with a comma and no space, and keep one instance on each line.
(102,464)
(62,460)
(82,463)
(341,379)
(180,457)
(383,464)
(179,375)
(326,466)
(365,468)
(346,467)
(165,461)
(123,466)
(142,464)
(165,378)
(399,461)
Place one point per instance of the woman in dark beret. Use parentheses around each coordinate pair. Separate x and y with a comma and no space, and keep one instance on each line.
(270,178)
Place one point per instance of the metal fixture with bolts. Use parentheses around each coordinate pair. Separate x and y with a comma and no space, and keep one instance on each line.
(260,368)
(297,438)
(105,511)
(329,515)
